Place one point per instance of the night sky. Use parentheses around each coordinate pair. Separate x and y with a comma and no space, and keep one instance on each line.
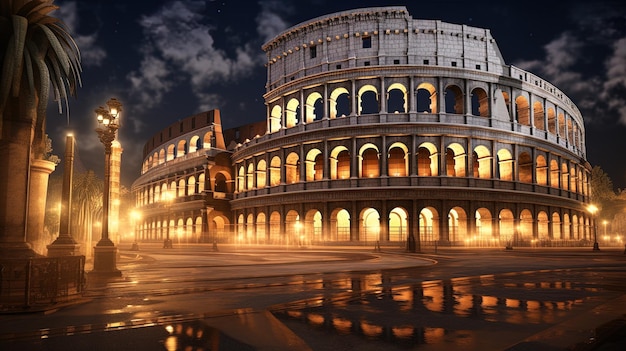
(166,60)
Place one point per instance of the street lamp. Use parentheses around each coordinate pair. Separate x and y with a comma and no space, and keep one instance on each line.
(168,197)
(135,216)
(105,252)
(593,209)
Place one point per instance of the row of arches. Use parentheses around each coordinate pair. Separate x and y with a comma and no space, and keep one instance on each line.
(397,160)
(168,190)
(200,139)
(478,99)
(458,226)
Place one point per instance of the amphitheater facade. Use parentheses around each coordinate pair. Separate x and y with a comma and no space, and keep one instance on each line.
(381,128)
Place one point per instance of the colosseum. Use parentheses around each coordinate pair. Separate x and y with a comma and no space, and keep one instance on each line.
(380,128)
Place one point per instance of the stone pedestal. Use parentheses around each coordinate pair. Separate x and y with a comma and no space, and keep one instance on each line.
(55,250)
(105,262)
(39,174)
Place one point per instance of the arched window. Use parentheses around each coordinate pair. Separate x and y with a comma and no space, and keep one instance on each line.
(397,163)
(454,100)
(368,101)
(396,98)
(292,168)
(339,103)
(522,111)
(426,98)
(339,163)
(480,102)
(369,162)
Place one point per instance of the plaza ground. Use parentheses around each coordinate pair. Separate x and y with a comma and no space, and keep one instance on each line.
(340,298)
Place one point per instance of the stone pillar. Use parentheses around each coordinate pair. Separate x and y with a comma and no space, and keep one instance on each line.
(15,159)
(65,245)
(114,210)
(38,187)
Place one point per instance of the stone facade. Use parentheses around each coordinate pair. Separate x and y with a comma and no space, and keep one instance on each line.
(385,128)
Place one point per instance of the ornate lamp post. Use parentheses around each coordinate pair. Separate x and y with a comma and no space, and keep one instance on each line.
(593,209)
(105,252)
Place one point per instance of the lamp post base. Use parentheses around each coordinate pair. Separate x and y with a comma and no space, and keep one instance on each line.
(596,247)
(104,262)
(167,244)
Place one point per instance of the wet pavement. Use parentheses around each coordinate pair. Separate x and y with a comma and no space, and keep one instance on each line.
(340,298)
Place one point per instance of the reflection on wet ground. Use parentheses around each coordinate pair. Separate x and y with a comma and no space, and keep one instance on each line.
(205,302)
(454,314)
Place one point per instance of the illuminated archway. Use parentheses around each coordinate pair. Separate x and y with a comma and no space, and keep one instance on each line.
(369,229)
(398,224)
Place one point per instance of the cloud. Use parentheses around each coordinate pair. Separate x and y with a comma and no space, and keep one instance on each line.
(270,20)
(179,47)
(91,54)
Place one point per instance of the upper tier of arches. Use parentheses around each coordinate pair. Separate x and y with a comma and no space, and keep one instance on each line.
(502,106)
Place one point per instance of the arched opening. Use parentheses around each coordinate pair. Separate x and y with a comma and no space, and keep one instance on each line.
(554,174)
(429,225)
(275,165)
(292,168)
(314,108)
(481,162)
(220,183)
(340,225)
(250,176)
(397,163)
(313,227)
(339,103)
(426,98)
(314,165)
(261,174)
(275,236)
(398,224)
(457,225)
(556,226)
(480,102)
(369,230)
(427,164)
(505,164)
(171,152)
(368,100)
(454,99)
(293,228)
(539,116)
(541,170)
(522,111)
(191,185)
(369,161)
(484,226)
(260,228)
(552,121)
(275,119)
(543,223)
(507,229)
(525,168)
(193,143)
(455,160)
(396,98)
(340,163)
(526,226)
(291,113)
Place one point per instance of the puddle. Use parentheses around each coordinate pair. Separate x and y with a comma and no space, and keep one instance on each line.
(457,312)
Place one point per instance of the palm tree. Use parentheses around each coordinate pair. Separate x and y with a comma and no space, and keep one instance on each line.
(87,200)
(37,55)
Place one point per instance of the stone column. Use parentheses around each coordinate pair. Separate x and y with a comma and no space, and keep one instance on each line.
(65,245)
(39,174)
